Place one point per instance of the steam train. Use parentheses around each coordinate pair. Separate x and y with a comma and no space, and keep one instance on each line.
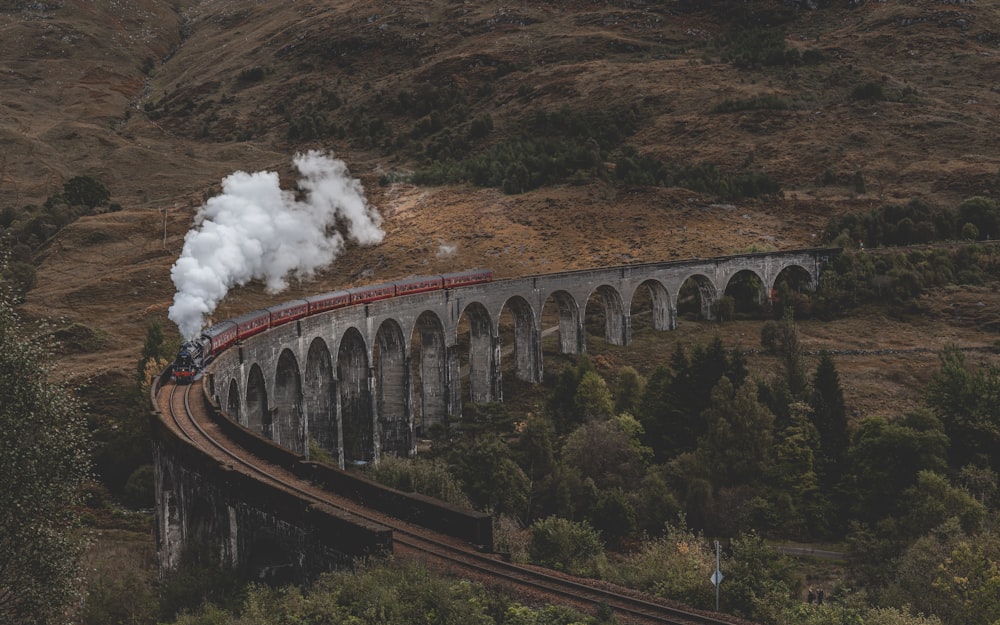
(194,355)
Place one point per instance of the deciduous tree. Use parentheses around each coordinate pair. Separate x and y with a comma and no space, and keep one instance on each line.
(43,460)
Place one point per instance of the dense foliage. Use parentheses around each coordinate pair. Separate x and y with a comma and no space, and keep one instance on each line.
(568,146)
(44,461)
(976,218)
(400,593)
(716,449)
(896,278)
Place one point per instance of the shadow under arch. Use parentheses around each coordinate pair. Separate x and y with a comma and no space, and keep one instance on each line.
(527,350)
(320,398)
(480,354)
(567,317)
(355,399)
(258,411)
(695,296)
(429,373)
(610,313)
(749,293)
(233,402)
(289,430)
(651,298)
(392,390)
(789,288)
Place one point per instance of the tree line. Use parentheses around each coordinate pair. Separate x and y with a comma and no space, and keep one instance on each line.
(705,447)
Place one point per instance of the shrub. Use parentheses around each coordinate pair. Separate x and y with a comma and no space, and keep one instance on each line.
(139,488)
(869,91)
(565,545)
(767,101)
(17,278)
(983,213)
(757,47)
(425,476)
(252,74)
(85,191)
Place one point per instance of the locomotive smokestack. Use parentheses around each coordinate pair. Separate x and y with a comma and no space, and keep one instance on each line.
(256,231)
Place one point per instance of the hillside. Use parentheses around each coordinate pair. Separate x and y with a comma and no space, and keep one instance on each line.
(161,100)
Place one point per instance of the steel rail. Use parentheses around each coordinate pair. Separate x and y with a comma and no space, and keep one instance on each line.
(574,591)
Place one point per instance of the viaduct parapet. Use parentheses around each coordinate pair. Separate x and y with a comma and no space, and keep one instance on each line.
(368,380)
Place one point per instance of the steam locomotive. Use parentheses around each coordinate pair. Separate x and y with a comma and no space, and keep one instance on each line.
(194,355)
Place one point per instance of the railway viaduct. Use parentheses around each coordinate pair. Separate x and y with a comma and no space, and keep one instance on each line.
(369,380)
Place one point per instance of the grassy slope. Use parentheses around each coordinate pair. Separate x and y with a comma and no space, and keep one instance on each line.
(76,81)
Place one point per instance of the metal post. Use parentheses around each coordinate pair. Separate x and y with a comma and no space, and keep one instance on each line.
(718,576)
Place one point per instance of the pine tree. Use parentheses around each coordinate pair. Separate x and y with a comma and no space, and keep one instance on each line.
(829,416)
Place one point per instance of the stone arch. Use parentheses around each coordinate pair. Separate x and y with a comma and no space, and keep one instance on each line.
(663,315)
(695,295)
(527,349)
(355,399)
(258,411)
(233,401)
(795,276)
(616,330)
(392,390)
(430,373)
(482,354)
(748,290)
(320,395)
(788,288)
(569,326)
(289,429)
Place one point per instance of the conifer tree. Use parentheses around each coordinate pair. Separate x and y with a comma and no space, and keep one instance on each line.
(829,416)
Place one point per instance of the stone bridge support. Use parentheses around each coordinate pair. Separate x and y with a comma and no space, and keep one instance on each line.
(210,513)
(367,380)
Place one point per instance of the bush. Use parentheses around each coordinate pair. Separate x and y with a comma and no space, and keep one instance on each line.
(869,91)
(85,191)
(565,545)
(983,213)
(756,47)
(767,101)
(252,74)
(139,488)
(425,476)
(17,278)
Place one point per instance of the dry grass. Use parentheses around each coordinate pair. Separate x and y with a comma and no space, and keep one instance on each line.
(75,82)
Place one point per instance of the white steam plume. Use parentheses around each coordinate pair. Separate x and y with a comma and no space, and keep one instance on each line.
(446,250)
(256,231)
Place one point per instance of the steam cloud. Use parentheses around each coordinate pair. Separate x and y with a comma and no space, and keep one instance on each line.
(446,250)
(256,231)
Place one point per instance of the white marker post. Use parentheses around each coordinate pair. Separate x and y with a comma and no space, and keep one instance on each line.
(717,576)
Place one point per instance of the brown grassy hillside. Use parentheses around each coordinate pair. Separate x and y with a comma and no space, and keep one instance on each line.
(160,100)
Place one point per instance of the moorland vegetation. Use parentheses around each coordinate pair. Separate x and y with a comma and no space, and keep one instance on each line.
(530,138)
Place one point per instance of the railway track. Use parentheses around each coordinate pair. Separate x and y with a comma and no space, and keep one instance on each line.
(191,417)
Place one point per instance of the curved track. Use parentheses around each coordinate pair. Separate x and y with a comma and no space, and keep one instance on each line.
(188,414)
